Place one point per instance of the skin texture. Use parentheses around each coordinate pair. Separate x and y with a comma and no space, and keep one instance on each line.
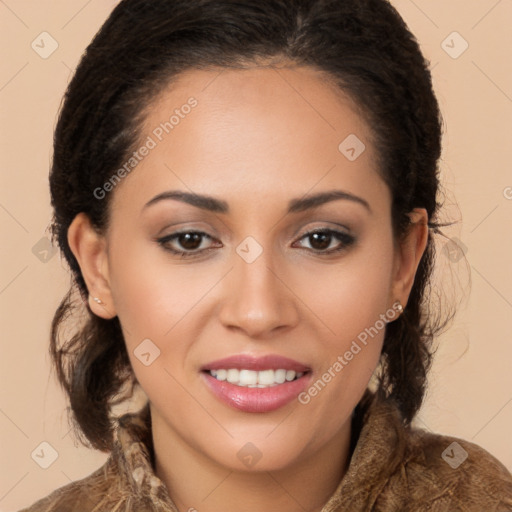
(256,139)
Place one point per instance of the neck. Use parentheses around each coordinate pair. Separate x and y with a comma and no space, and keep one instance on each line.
(196,482)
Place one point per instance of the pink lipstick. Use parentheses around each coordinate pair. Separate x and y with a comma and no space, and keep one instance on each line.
(256,384)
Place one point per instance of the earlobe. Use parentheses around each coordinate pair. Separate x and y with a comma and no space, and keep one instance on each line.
(410,251)
(89,249)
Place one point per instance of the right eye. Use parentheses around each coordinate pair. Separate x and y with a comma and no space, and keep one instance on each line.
(189,241)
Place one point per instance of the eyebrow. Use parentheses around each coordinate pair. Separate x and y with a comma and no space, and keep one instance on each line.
(213,204)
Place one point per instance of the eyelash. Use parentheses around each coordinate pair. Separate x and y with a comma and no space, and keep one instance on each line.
(345,239)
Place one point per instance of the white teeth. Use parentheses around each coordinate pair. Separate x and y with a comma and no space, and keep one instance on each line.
(221,374)
(247,377)
(266,377)
(254,379)
(233,376)
(280,375)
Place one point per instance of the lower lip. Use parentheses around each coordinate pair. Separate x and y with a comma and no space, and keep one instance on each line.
(256,399)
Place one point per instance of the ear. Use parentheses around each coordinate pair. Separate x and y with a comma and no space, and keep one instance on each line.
(89,248)
(408,254)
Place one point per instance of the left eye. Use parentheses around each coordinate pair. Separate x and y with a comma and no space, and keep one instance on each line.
(322,238)
(320,241)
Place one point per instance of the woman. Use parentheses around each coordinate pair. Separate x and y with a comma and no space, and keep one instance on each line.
(246,195)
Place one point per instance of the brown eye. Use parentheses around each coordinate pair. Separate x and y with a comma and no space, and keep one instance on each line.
(190,241)
(321,239)
(185,243)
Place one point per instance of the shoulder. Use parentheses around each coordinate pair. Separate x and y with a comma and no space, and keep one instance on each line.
(125,482)
(450,473)
(78,496)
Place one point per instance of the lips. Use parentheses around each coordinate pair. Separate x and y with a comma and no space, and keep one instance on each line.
(256,384)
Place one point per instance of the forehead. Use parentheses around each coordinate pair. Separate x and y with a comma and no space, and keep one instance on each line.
(252,131)
(265,101)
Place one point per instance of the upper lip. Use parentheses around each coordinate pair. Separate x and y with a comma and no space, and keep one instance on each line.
(249,362)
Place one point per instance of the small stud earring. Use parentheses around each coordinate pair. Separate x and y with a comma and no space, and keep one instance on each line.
(400,308)
(97,300)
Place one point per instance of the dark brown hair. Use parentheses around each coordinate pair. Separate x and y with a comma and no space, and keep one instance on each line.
(367,50)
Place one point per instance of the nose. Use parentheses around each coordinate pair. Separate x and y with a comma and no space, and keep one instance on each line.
(257,299)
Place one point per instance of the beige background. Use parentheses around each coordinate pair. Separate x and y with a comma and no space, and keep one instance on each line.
(470,393)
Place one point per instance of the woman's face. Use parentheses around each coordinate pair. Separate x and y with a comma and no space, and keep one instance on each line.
(255,147)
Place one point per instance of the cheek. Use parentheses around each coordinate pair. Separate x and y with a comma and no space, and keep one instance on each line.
(161,301)
(349,296)
(152,293)
(351,304)
(158,299)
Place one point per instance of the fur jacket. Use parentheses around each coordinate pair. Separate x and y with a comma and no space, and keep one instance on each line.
(392,468)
